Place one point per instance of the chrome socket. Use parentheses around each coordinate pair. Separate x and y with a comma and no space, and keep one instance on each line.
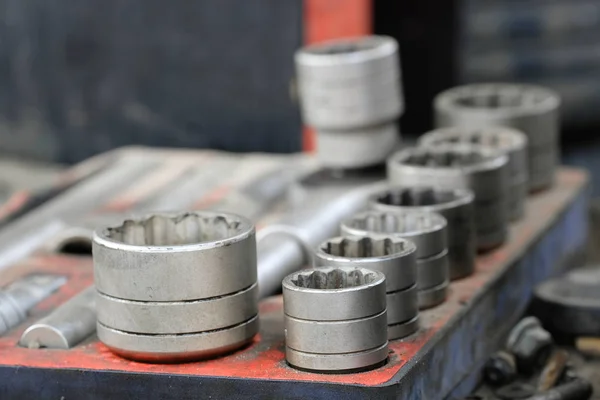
(531,109)
(340,334)
(392,256)
(456,205)
(426,230)
(350,93)
(176,287)
(480,169)
(509,141)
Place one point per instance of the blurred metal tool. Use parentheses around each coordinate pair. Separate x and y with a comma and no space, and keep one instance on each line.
(579,389)
(553,370)
(66,326)
(22,295)
(569,305)
(283,252)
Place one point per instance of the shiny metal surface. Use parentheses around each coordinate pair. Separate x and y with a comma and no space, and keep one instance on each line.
(339,62)
(350,93)
(456,205)
(429,298)
(333,337)
(452,204)
(340,363)
(177,348)
(182,282)
(432,271)
(175,257)
(402,305)
(531,109)
(22,295)
(481,169)
(168,317)
(426,230)
(319,219)
(509,141)
(349,327)
(346,149)
(32,230)
(392,256)
(66,326)
(453,166)
(403,329)
(348,293)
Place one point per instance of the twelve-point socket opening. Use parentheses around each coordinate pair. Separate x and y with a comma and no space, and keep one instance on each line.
(336,278)
(364,247)
(415,197)
(394,223)
(173,230)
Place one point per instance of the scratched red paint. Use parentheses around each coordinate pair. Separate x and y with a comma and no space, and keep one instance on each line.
(264,358)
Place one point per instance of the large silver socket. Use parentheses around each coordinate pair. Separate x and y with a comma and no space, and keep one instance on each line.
(507,140)
(175,257)
(456,205)
(531,109)
(176,286)
(321,345)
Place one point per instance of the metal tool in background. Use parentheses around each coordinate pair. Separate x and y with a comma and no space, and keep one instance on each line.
(456,205)
(427,231)
(506,140)
(335,319)
(390,255)
(189,290)
(569,305)
(66,326)
(461,166)
(530,343)
(22,295)
(578,389)
(350,93)
(24,235)
(533,110)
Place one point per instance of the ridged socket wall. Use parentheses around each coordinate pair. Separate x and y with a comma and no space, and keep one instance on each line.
(392,256)
(456,205)
(350,93)
(534,110)
(507,140)
(464,166)
(173,287)
(427,231)
(335,319)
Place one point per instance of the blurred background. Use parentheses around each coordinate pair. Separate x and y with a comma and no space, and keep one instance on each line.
(82,77)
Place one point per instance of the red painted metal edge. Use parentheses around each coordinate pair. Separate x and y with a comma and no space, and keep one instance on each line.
(332,19)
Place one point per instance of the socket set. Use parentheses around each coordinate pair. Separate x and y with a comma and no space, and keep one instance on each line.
(76,364)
